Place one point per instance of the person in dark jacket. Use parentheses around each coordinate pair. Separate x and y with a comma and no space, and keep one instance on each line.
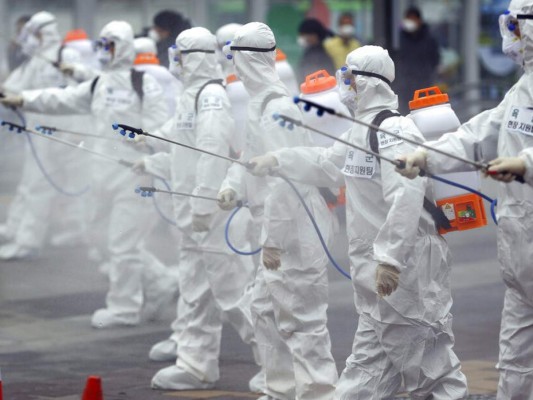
(311,35)
(416,60)
(167,25)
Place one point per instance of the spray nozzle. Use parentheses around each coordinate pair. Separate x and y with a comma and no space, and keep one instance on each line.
(145,191)
(13,127)
(127,130)
(46,130)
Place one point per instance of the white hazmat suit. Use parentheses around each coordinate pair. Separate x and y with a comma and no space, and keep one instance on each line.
(212,278)
(407,335)
(29,214)
(506,131)
(289,304)
(134,277)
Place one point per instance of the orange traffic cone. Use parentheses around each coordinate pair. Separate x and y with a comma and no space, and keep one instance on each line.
(1,391)
(93,389)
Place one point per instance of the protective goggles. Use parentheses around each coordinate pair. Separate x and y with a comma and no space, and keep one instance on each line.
(174,52)
(511,21)
(228,49)
(347,75)
(103,44)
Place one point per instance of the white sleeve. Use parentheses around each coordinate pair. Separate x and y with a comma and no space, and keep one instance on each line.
(475,140)
(56,101)
(396,237)
(214,127)
(154,108)
(158,164)
(527,155)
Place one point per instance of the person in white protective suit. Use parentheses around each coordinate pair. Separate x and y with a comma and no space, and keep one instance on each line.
(290,293)
(212,278)
(146,60)
(506,132)
(404,331)
(29,214)
(135,279)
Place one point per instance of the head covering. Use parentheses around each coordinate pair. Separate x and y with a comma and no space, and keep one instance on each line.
(197,53)
(121,34)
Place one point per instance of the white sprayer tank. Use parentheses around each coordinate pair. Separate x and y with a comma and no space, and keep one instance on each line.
(433,115)
(239,99)
(321,88)
(286,73)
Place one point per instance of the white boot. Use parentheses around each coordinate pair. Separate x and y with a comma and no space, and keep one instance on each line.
(165,350)
(175,378)
(105,318)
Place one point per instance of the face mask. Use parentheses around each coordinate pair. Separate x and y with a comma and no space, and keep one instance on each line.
(302,42)
(409,25)
(346,30)
(174,64)
(104,57)
(511,44)
(347,94)
(152,34)
(30,45)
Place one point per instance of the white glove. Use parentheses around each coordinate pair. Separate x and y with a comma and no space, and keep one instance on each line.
(67,69)
(262,165)
(505,169)
(387,279)
(201,223)
(139,167)
(271,258)
(227,199)
(12,101)
(414,162)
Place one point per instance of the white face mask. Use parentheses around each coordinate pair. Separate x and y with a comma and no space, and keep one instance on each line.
(30,45)
(152,34)
(409,25)
(511,44)
(347,94)
(174,64)
(346,30)
(104,57)
(302,42)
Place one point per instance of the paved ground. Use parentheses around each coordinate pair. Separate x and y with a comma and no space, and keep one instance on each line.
(47,348)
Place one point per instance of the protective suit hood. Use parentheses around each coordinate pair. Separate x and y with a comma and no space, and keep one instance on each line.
(373,92)
(256,69)
(121,33)
(43,23)
(197,65)
(225,34)
(526,30)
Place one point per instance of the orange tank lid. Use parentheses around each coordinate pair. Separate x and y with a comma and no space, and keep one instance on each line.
(75,34)
(146,58)
(423,98)
(318,81)
(280,55)
(231,78)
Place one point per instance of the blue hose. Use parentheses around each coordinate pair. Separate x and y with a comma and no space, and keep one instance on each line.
(317,229)
(156,205)
(493,202)
(228,242)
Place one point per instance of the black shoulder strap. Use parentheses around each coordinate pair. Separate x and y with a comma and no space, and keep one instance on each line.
(137,82)
(440,219)
(212,81)
(373,132)
(59,59)
(268,99)
(93,84)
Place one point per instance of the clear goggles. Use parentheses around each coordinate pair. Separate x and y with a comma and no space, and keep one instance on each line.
(103,44)
(511,21)
(229,49)
(175,53)
(346,75)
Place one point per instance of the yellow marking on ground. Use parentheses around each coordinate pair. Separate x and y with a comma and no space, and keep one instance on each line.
(482,376)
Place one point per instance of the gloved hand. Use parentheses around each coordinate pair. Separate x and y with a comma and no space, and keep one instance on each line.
(263,164)
(67,69)
(227,199)
(387,279)
(139,167)
(414,162)
(201,223)
(271,258)
(507,168)
(11,101)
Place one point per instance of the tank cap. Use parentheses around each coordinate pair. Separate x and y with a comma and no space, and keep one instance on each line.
(424,98)
(280,55)
(231,78)
(318,81)
(146,58)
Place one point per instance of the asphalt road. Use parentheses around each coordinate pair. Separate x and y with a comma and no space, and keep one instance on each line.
(47,347)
